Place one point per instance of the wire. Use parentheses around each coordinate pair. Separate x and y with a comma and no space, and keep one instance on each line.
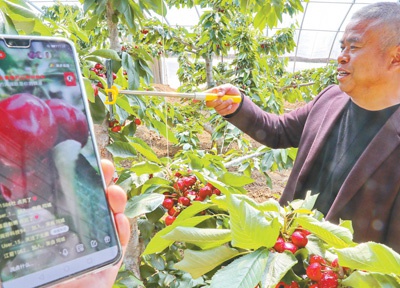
(163,65)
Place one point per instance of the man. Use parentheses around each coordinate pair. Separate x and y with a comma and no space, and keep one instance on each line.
(349,135)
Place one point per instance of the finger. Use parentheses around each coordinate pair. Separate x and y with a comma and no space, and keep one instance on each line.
(108,170)
(229,110)
(212,103)
(123,228)
(116,198)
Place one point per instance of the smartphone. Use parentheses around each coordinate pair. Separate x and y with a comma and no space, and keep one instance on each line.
(55,222)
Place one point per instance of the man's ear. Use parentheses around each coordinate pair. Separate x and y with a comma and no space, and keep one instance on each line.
(396,57)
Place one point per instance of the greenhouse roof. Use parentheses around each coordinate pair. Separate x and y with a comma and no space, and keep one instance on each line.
(319,30)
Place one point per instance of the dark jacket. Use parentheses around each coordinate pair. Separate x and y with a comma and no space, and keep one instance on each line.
(369,196)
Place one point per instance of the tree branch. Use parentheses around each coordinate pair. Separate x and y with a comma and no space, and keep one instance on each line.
(239,160)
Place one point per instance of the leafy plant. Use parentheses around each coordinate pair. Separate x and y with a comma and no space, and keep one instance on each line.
(266,245)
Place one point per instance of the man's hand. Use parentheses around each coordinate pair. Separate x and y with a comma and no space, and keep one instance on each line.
(225,107)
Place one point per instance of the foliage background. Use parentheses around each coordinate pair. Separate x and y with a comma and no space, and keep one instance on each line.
(118,35)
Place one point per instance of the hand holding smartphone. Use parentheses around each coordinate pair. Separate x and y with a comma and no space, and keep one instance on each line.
(55,223)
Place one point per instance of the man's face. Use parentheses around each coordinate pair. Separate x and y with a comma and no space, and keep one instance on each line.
(363,63)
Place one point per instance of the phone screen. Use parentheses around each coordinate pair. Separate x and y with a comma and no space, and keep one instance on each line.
(55,222)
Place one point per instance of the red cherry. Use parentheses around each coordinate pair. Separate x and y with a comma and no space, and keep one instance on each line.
(210,185)
(168,203)
(304,231)
(173,212)
(288,246)
(95,90)
(314,272)
(169,220)
(282,285)
(27,123)
(198,198)
(72,122)
(279,245)
(193,180)
(138,121)
(205,191)
(335,263)
(181,185)
(294,284)
(184,201)
(187,181)
(317,259)
(299,239)
(329,279)
(99,66)
(216,191)
(112,123)
(96,71)
(116,128)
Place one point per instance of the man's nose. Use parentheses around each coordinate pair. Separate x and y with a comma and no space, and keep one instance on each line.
(343,57)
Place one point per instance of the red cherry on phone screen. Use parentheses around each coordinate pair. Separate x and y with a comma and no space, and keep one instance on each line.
(27,121)
(72,122)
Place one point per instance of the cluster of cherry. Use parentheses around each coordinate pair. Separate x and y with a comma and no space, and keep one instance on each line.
(320,272)
(186,189)
(30,128)
(100,71)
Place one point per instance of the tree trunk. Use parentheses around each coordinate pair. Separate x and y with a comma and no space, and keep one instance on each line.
(209,73)
(132,255)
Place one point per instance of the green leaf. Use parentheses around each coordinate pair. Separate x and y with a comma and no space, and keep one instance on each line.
(260,19)
(277,266)
(270,205)
(309,201)
(92,23)
(370,280)
(370,256)
(244,272)
(198,263)
(192,210)
(106,53)
(203,238)
(145,168)
(159,182)
(20,10)
(164,130)
(142,204)
(97,110)
(88,89)
(121,149)
(123,102)
(235,180)
(250,229)
(123,7)
(333,235)
(158,243)
(133,73)
(144,149)
(8,26)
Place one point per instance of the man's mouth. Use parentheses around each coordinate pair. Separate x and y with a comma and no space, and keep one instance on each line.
(343,73)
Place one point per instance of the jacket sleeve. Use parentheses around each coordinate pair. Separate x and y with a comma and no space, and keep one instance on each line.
(275,131)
